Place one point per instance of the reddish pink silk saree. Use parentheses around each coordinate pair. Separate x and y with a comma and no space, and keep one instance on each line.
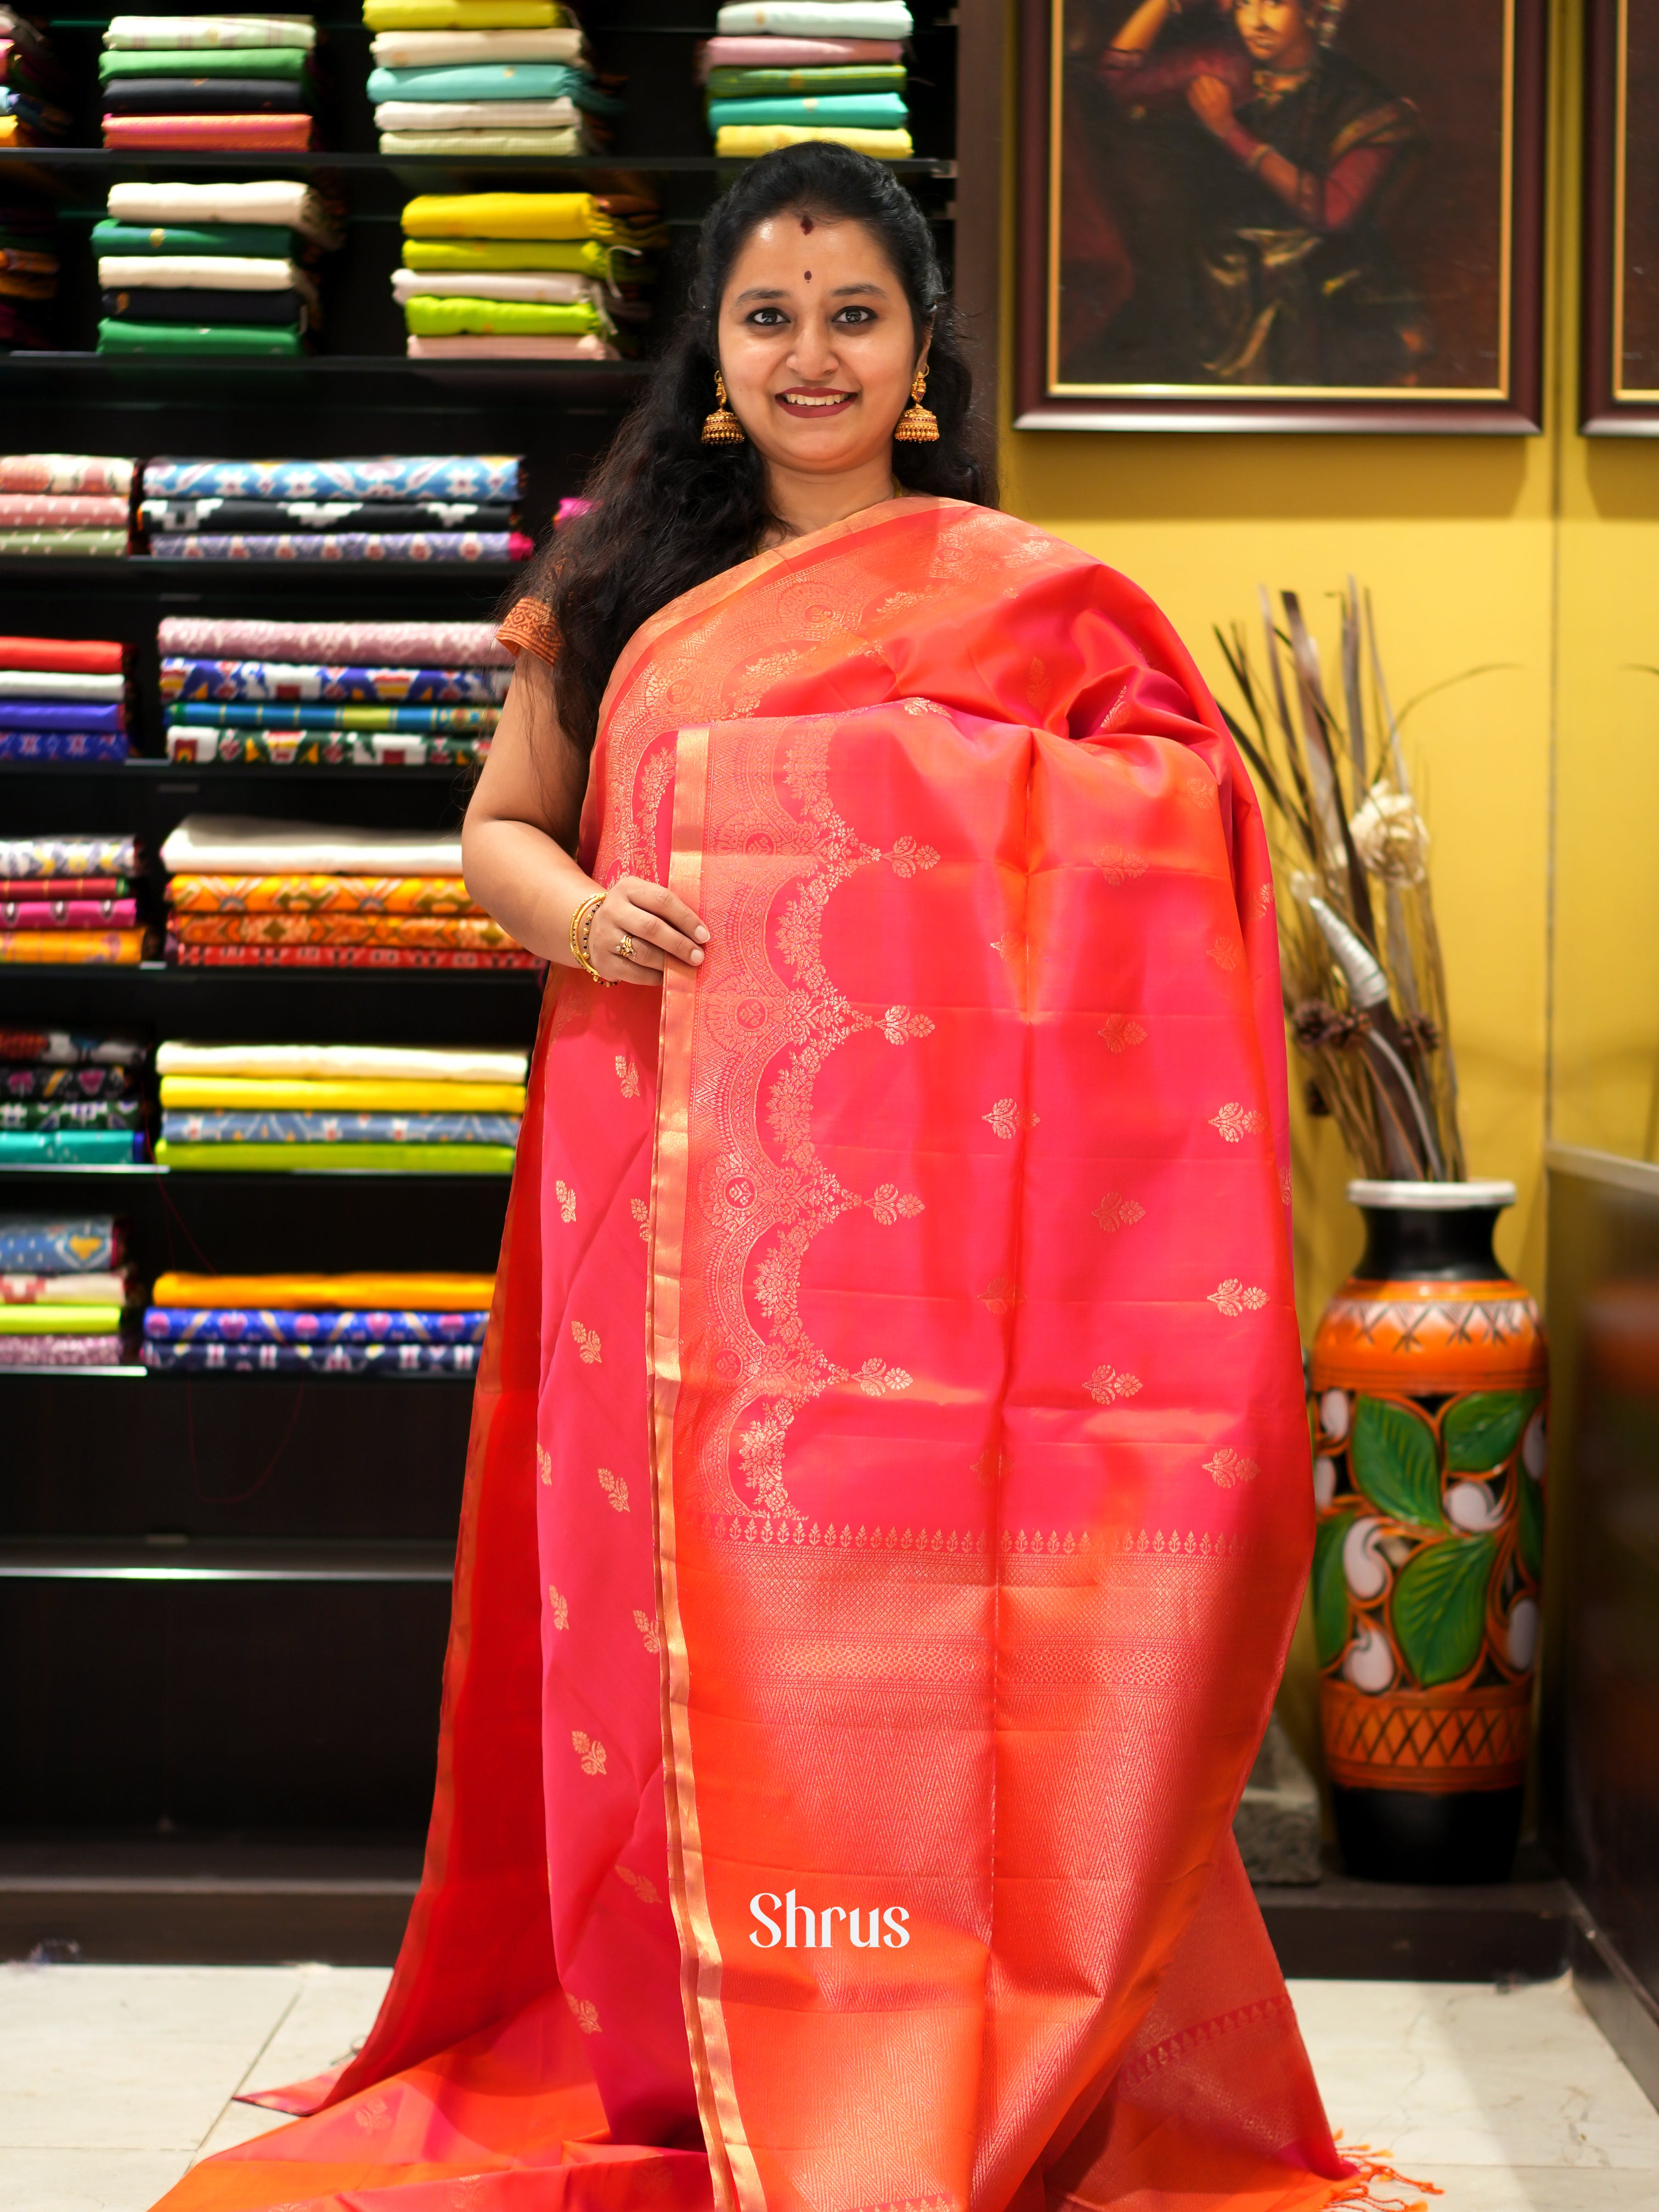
(889,1495)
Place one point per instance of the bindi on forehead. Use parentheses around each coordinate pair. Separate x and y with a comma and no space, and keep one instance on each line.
(806,226)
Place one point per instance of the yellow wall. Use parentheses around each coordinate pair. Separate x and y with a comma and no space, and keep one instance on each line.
(1541,782)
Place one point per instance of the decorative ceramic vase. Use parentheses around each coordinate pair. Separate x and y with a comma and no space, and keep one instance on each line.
(1428,1413)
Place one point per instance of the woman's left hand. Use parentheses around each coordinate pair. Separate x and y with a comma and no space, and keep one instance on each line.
(658,930)
(1213,103)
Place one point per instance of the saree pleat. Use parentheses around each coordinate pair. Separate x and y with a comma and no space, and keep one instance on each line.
(888,1500)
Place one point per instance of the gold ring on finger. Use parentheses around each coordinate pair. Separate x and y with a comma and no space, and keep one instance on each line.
(625,947)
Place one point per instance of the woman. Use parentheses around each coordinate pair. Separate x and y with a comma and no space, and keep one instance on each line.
(889,1496)
(1287,153)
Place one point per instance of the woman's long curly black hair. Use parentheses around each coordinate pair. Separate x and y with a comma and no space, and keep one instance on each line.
(670,512)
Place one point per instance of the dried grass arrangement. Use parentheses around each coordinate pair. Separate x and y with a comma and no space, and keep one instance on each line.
(1364,985)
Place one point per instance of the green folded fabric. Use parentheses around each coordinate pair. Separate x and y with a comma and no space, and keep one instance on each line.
(428,316)
(761,83)
(873,110)
(51,1320)
(578,257)
(266,241)
(202,61)
(339,1160)
(66,1147)
(84,544)
(116,336)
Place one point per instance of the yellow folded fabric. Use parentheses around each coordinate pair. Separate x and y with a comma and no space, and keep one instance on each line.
(741,141)
(463,14)
(503,214)
(328,1294)
(354,1094)
(59,1321)
(336,1159)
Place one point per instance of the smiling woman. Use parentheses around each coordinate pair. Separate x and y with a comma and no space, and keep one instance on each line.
(862,1504)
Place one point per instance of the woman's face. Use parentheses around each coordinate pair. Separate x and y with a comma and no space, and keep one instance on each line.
(816,345)
(1276,32)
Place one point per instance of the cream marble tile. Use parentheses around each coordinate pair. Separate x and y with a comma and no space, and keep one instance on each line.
(134,2057)
(1541,2189)
(1456,2075)
(332,2012)
(60,2180)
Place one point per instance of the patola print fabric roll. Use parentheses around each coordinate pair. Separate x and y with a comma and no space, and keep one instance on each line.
(445,548)
(412,476)
(271,680)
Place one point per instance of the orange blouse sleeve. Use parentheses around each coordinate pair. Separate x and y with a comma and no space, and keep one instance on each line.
(529,629)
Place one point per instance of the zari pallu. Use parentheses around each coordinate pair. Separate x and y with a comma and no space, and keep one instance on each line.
(889,1497)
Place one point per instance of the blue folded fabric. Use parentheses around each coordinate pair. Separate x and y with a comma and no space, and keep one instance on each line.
(248,1126)
(274,681)
(339,546)
(61,715)
(441,721)
(493,81)
(853,111)
(62,744)
(241,1325)
(311,1358)
(44,1244)
(397,475)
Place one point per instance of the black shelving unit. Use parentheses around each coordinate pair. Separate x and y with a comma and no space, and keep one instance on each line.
(224,1600)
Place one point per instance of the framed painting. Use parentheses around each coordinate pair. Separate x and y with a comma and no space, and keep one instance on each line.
(1281,214)
(1619,362)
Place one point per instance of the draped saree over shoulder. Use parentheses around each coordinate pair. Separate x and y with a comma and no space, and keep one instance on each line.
(889,1497)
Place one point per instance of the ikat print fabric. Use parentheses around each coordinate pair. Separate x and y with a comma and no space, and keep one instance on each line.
(67,1049)
(69,856)
(251,1126)
(53,1245)
(401,1359)
(406,476)
(339,955)
(317,894)
(74,505)
(72,1113)
(55,1351)
(70,1147)
(53,704)
(321,748)
(64,745)
(320,547)
(67,914)
(39,1081)
(234,1325)
(271,681)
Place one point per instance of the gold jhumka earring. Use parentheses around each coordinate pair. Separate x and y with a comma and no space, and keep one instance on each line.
(918,425)
(722,427)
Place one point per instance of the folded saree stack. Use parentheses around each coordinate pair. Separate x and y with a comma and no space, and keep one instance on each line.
(409,506)
(71,1100)
(317,1324)
(344,1108)
(30,263)
(74,504)
(218,269)
(505,84)
(63,699)
(182,84)
(34,92)
(329,694)
(530,275)
(79,875)
(63,1293)
(783,70)
(255,894)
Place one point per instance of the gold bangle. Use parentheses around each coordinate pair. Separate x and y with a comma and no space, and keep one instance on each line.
(582,925)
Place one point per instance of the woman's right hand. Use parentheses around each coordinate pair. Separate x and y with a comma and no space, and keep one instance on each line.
(663,930)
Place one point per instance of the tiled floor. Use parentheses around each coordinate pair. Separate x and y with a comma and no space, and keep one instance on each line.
(112,2079)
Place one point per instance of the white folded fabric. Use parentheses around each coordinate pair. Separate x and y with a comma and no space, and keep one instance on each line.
(828,19)
(428,49)
(64,1291)
(202,272)
(462,143)
(268,199)
(510,348)
(194,31)
(429,115)
(31,684)
(389,1063)
(242,845)
(554,287)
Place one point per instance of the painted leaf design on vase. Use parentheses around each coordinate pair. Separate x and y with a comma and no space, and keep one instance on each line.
(1531,1530)
(1440,1608)
(1395,1462)
(1330,1587)
(1482,1429)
